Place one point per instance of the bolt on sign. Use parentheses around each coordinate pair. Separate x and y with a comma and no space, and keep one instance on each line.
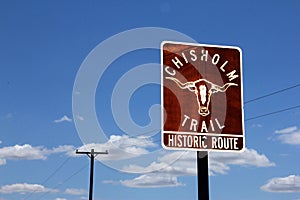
(202,97)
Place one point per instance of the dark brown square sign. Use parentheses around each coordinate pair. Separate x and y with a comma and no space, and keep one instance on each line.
(202,97)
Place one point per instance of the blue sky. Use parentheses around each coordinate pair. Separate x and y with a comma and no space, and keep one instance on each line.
(43,46)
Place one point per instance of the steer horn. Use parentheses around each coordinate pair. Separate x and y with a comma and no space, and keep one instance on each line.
(187,85)
(225,87)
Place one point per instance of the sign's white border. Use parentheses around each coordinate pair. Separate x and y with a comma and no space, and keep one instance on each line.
(217,135)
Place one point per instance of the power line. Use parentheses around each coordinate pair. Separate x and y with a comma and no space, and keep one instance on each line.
(49,177)
(67,179)
(274,112)
(272,93)
(71,176)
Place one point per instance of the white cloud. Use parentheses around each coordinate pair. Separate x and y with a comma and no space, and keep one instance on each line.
(283,184)
(63,119)
(23,152)
(24,188)
(185,165)
(28,152)
(9,116)
(219,163)
(249,157)
(287,130)
(60,199)
(68,149)
(121,147)
(79,117)
(77,92)
(256,126)
(74,191)
(2,161)
(152,181)
(290,135)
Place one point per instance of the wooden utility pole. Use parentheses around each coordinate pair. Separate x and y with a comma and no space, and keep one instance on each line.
(92,154)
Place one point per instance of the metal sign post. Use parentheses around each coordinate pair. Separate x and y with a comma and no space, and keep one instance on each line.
(203,176)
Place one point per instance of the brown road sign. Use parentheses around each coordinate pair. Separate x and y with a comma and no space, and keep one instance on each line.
(202,97)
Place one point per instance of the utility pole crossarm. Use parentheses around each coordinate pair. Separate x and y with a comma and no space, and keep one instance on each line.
(91,152)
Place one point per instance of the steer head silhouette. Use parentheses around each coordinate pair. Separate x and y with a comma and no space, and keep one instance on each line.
(203,89)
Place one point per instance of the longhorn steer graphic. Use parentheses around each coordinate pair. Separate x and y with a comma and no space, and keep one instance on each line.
(203,90)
